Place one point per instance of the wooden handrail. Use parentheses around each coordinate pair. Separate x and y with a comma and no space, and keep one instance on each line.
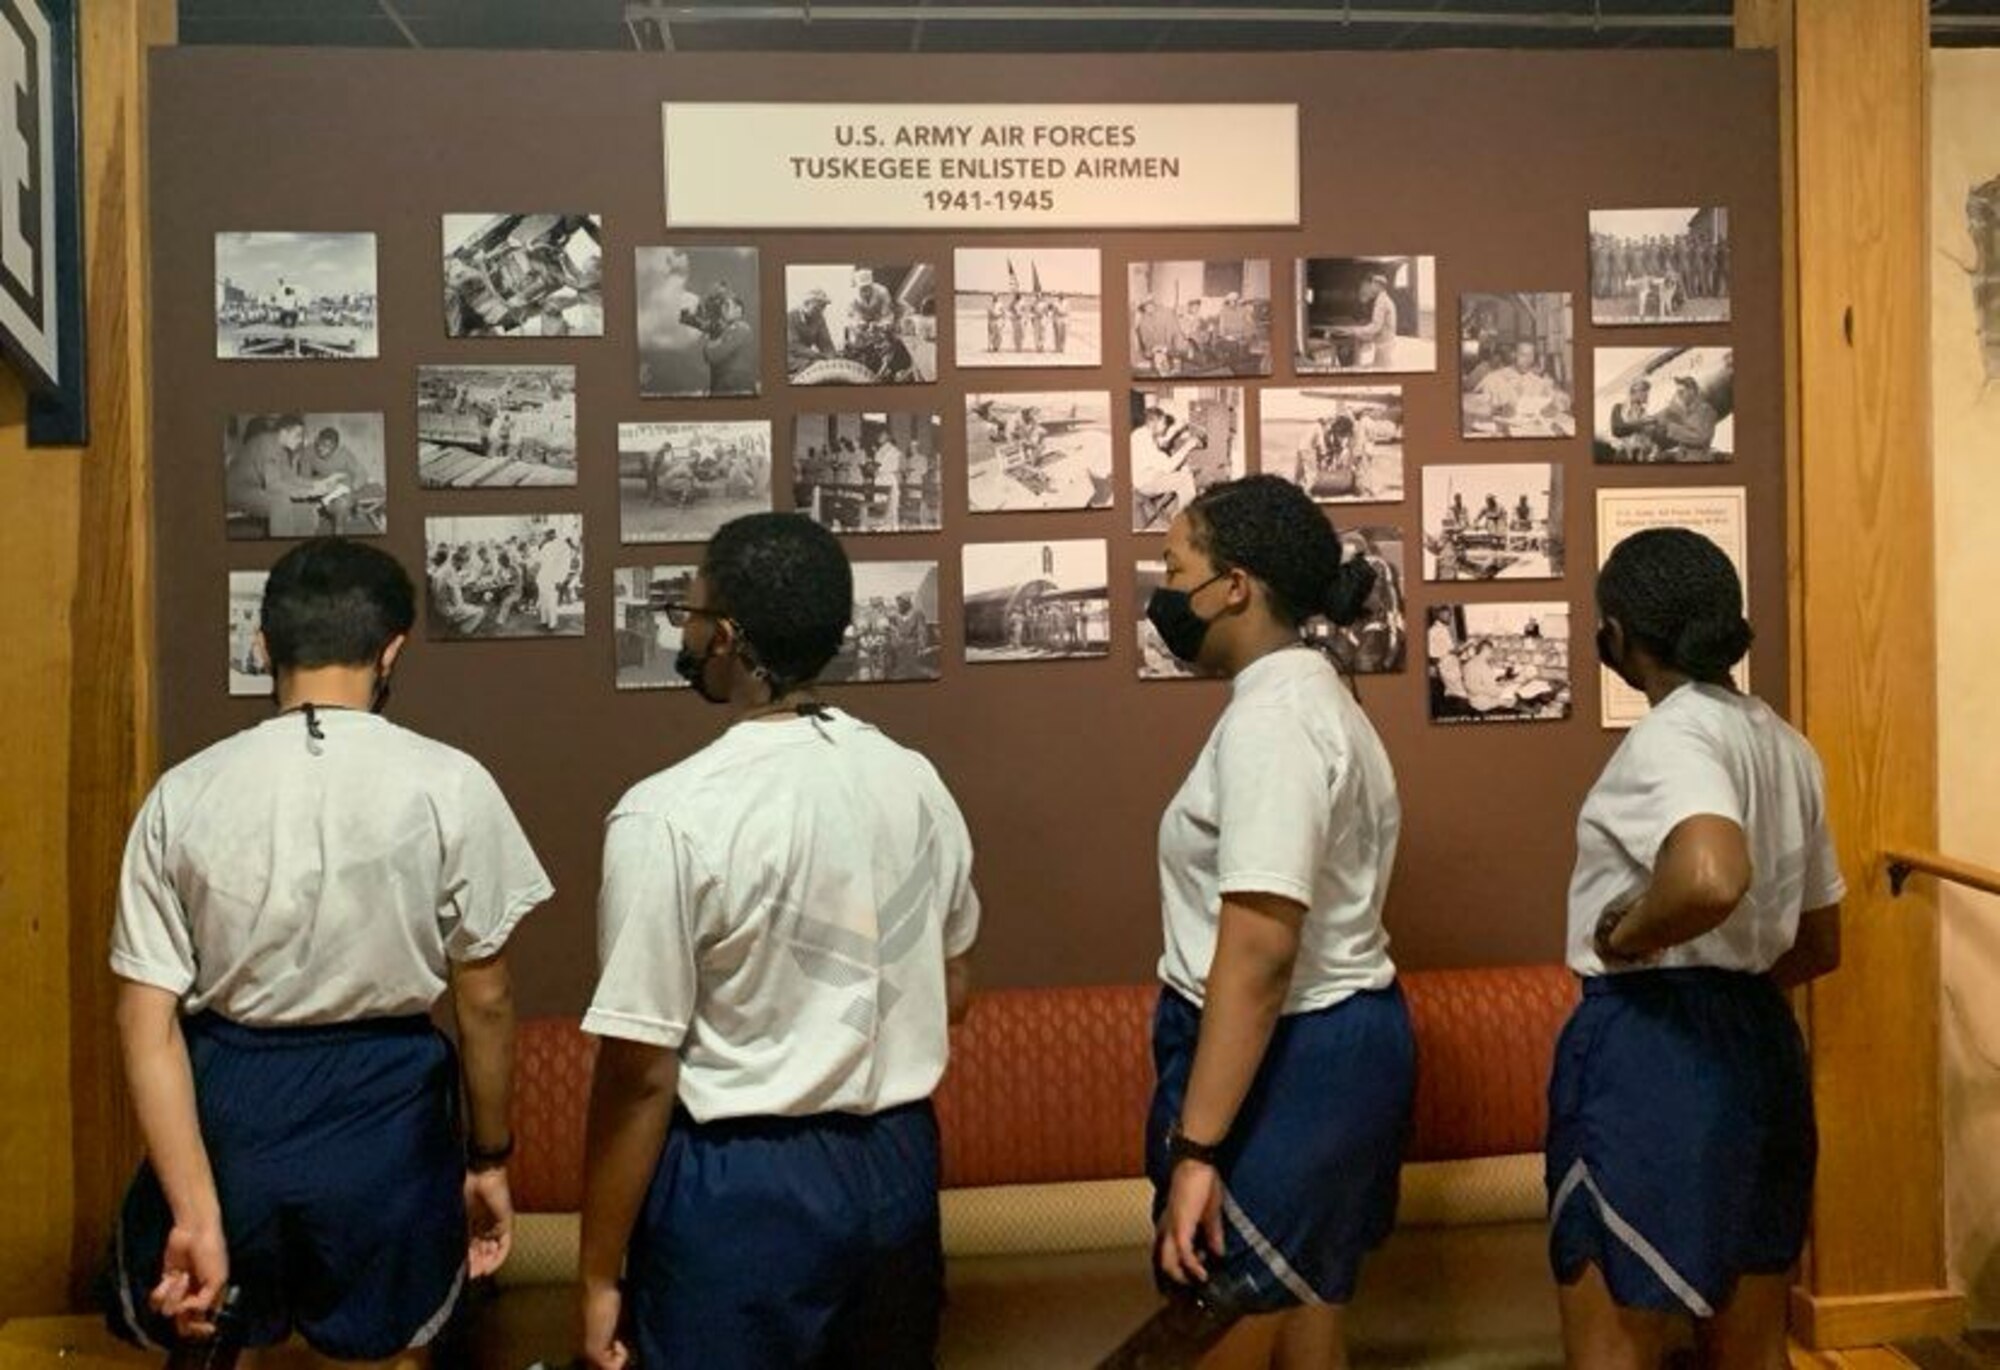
(1904,864)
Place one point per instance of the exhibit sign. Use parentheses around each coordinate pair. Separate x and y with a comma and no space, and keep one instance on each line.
(1718,513)
(849,166)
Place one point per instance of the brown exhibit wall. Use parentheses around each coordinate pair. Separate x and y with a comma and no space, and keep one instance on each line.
(1489,161)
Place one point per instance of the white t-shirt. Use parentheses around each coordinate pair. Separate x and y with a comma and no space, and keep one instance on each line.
(779,908)
(1293,795)
(1708,750)
(281,881)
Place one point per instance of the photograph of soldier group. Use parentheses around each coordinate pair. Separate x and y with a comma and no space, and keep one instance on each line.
(861,324)
(249,673)
(1036,601)
(294,296)
(1038,450)
(1341,446)
(1184,439)
(1498,663)
(1517,368)
(504,576)
(1366,314)
(679,482)
(895,633)
(523,276)
(1036,307)
(647,641)
(1650,266)
(303,475)
(503,426)
(1665,404)
(868,473)
(1510,529)
(1201,318)
(699,329)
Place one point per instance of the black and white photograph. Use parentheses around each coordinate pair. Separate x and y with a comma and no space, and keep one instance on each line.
(1155,661)
(647,641)
(1185,439)
(700,322)
(1659,266)
(895,634)
(1341,446)
(249,673)
(1498,663)
(1665,405)
(1373,644)
(861,324)
(523,276)
(1200,319)
(869,473)
(1493,522)
(483,427)
(1038,450)
(1517,366)
(299,475)
(1365,314)
(1037,601)
(504,576)
(679,482)
(304,296)
(1028,306)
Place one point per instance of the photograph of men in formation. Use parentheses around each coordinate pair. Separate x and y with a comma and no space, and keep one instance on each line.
(679,482)
(1340,446)
(895,633)
(1373,645)
(861,325)
(647,640)
(505,575)
(302,475)
(1366,314)
(295,296)
(1036,601)
(1184,439)
(1493,522)
(1654,266)
(1498,663)
(1201,318)
(1517,368)
(496,426)
(1038,450)
(699,330)
(1028,306)
(249,673)
(1665,404)
(868,473)
(523,276)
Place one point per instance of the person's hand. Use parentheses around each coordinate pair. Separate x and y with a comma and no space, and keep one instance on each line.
(1194,1206)
(194,1270)
(489,1221)
(601,1307)
(1601,939)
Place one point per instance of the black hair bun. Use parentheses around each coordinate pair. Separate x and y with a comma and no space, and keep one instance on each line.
(1347,595)
(1708,646)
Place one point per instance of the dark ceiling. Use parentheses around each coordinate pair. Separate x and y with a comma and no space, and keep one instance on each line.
(990,26)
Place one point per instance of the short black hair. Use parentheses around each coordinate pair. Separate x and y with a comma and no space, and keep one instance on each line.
(786,583)
(1678,595)
(1269,527)
(335,602)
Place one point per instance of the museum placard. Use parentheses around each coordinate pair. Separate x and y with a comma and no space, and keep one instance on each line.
(854,166)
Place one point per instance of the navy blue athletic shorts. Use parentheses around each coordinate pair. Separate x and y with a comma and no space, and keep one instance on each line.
(1311,1169)
(774,1243)
(1681,1138)
(338,1163)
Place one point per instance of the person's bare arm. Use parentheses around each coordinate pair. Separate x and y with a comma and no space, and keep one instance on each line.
(957,988)
(631,1104)
(1701,875)
(1256,947)
(482,997)
(1815,951)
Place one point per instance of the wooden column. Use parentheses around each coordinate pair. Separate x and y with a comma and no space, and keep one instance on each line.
(1855,85)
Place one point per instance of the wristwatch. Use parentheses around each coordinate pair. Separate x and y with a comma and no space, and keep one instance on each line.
(1181,1147)
(479,1160)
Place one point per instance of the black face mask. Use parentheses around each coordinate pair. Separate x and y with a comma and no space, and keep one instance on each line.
(1171,612)
(379,699)
(1611,662)
(694,670)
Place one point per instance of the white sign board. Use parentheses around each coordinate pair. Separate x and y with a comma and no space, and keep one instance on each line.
(1718,513)
(761,166)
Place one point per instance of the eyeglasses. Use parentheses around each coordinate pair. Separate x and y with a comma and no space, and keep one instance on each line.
(679,611)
